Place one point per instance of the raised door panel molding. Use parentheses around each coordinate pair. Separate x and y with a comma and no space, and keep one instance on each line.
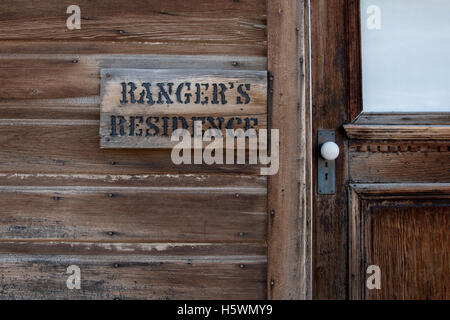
(403,230)
(397,132)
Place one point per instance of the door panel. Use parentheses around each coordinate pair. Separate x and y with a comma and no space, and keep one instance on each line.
(402,229)
(419,238)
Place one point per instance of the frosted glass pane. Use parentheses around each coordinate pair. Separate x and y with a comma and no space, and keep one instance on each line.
(406,55)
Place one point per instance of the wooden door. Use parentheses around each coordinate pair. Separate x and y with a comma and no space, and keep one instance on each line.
(391,206)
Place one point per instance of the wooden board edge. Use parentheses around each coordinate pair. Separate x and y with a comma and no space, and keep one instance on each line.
(289,192)
(397,132)
(355,292)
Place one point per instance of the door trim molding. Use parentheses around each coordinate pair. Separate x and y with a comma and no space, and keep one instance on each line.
(397,132)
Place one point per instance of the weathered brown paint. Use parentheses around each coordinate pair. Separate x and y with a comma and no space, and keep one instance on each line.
(329,103)
(37,270)
(403,229)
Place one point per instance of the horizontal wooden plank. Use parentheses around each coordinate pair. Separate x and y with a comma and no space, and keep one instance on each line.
(73,147)
(23,9)
(48,109)
(133,47)
(175,21)
(73,79)
(209,8)
(154,249)
(30,77)
(400,166)
(48,78)
(227,181)
(133,213)
(31,270)
(45,278)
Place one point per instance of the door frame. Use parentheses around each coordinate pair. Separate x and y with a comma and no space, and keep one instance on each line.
(290,192)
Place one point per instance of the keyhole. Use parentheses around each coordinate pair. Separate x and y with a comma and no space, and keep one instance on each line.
(326,176)
(326,164)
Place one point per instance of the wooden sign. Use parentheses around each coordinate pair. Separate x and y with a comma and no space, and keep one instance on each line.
(141,108)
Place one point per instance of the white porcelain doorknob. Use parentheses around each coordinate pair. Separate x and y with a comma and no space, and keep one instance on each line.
(329,151)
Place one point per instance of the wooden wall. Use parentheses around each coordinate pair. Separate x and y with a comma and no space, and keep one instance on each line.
(137,225)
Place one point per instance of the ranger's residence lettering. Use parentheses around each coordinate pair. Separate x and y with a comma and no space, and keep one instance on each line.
(142,108)
(167,93)
(183,93)
(143,126)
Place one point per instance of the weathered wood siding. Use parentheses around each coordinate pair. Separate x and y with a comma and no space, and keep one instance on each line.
(137,225)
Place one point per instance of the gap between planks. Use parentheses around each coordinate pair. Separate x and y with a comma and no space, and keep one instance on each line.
(141,242)
(108,178)
(152,61)
(129,259)
(48,122)
(143,189)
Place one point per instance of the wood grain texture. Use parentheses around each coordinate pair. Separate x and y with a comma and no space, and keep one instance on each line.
(289,275)
(401,190)
(397,146)
(72,146)
(49,205)
(67,86)
(155,21)
(412,247)
(183,180)
(354,59)
(403,119)
(397,132)
(44,109)
(37,270)
(170,214)
(138,226)
(79,47)
(404,165)
(330,101)
(402,228)
(73,76)
(355,261)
